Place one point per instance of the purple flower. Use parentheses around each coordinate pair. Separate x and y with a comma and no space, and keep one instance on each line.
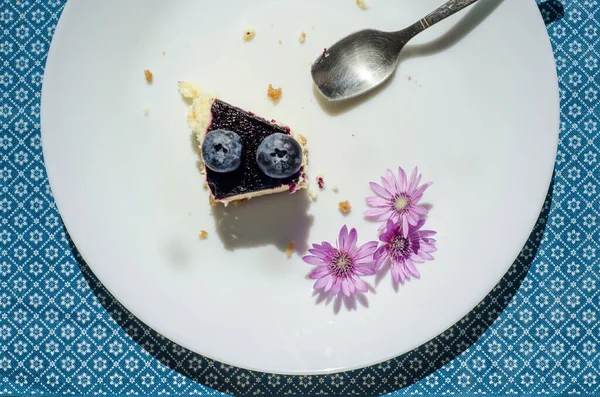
(404,247)
(397,198)
(338,268)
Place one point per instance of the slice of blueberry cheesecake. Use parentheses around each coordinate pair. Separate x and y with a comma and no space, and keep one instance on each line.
(243,155)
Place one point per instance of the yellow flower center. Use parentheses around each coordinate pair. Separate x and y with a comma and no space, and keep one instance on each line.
(398,243)
(401,203)
(400,248)
(343,262)
(342,265)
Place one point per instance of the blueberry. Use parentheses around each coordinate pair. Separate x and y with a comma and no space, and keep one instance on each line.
(222,151)
(279,156)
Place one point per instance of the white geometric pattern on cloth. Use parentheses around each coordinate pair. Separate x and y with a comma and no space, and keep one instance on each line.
(56,338)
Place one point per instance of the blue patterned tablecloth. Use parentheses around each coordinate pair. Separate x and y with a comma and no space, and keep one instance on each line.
(60,332)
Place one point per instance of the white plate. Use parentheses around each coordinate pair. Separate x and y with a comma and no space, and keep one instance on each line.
(478,116)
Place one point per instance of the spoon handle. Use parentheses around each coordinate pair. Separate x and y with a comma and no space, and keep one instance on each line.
(444,12)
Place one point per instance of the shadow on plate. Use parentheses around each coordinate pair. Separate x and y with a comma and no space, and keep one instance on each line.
(272,220)
(400,371)
(473,18)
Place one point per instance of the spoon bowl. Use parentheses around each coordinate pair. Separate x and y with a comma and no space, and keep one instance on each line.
(365,59)
(356,64)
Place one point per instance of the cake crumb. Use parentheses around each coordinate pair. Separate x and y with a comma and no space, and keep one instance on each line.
(321,182)
(205,186)
(274,93)
(301,139)
(189,91)
(302,37)
(149,76)
(164,53)
(249,34)
(361,4)
(146,111)
(335,188)
(345,206)
(203,235)
(290,249)
(312,194)
(280,42)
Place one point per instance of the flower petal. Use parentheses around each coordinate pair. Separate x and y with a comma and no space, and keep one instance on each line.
(373,212)
(416,258)
(379,190)
(313,260)
(427,247)
(351,240)
(427,233)
(351,286)
(388,233)
(404,276)
(322,282)
(330,283)
(426,255)
(392,180)
(379,262)
(402,179)
(346,287)
(379,251)
(335,288)
(321,253)
(343,236)
(420,223)
(387,185)
(410,266)
(413,218)
(419,209)
(319,272)
(404,226)
(361,285)
(396,274)
(365,250)
(364,270)
(365,261)
(414,187)
(413,180)
(417,194)
(377,201)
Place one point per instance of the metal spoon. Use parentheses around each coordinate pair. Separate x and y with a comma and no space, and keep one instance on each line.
(363,60)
